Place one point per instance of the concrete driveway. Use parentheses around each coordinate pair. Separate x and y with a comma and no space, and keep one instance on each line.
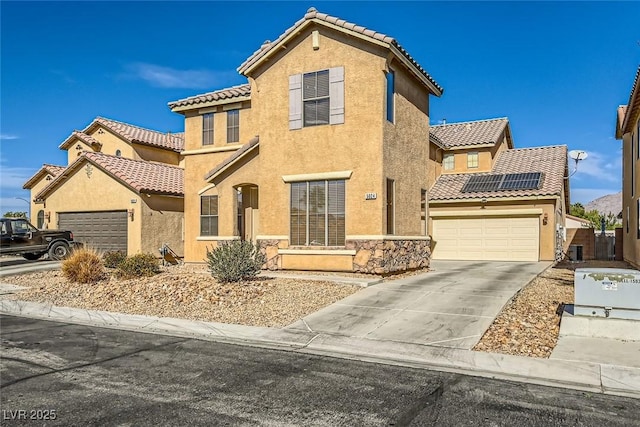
(451,306)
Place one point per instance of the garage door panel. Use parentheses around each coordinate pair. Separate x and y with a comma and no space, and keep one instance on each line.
(103,230)
(487,239)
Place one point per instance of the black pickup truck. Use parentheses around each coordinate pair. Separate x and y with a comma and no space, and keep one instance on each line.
(19,237)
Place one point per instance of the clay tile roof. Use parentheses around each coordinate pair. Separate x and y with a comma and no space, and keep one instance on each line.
(231,159)
(469,134)
(170,141)
(139,175)
(632,113)
(53,170)
(313,14)
(551,161)
(243,90)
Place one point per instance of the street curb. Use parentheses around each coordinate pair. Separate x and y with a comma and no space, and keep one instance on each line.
(585,376)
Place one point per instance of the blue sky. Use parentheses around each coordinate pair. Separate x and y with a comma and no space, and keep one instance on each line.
(557,70)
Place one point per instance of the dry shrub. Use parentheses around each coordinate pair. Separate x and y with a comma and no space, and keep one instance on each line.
(83,266)
(138,265)
(112,259)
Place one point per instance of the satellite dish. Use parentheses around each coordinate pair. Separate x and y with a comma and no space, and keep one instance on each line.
(578,155)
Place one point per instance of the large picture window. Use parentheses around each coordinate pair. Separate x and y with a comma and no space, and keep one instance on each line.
(207,129)
(318,213)
(209,215)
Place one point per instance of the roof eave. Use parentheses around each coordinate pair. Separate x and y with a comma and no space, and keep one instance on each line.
(417,73)
(553,196)
(199,105)
(211,176)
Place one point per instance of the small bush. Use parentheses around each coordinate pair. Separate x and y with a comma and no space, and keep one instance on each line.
(112,259)
(83,266)
(138,265)
(235,261)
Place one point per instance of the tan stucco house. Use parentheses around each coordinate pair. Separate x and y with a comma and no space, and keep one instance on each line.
(628,130)
(122,189)
(326,159)
(494,202)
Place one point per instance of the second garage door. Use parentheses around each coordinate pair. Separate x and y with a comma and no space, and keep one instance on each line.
(103,231)
(487,239)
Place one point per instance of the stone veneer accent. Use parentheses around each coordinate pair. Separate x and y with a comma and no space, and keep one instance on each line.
(270,250)
(389,256)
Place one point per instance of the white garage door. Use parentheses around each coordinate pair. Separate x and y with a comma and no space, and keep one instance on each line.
(486,239)
(103,231)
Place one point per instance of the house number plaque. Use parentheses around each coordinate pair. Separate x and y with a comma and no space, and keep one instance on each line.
(370,196)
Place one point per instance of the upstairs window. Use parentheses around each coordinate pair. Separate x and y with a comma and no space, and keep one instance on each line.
(316,98)
(391,90)
(448,161)
(209,215)
(233,125)
(207,129)
(472,160)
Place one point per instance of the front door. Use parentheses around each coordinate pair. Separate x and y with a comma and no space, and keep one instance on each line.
(248,213)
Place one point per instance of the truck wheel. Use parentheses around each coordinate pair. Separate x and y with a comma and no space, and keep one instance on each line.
(58,251)
(33,256)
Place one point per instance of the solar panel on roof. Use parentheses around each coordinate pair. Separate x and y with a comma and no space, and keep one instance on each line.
(521,181)
(479,183)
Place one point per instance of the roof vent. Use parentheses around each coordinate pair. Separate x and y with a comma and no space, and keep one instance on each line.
(265,44)
(312,9)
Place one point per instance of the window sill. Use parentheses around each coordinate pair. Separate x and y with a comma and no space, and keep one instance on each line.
(215,238)
(316,251)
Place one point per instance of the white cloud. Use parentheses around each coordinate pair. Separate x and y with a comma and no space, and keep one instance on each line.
(603,167)
(13,178)
(167,77)
(5,137)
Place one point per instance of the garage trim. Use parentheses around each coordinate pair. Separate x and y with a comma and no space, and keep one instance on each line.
(487,212)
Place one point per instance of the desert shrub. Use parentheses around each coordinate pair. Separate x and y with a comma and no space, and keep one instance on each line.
(112,259)
(83,265)
(235,261)
(138,265)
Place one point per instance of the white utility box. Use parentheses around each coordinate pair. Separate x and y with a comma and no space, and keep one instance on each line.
(607,292)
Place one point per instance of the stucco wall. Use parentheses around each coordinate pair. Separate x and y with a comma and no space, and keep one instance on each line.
(406,152)
(584,237)
(162,222)
(486,157)
(193,125)
(97,191)
(110,144)
(631,246)
(35,207)
(547,231)
(153,154)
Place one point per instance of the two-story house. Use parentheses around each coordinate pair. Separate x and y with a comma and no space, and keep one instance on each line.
(321,158)
(494,202)
(122,188)
(628,130)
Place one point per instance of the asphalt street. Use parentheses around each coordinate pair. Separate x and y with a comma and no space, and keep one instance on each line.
(88,376)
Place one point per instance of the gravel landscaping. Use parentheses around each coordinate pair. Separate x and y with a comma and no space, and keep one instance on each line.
(188,292)
(530,323)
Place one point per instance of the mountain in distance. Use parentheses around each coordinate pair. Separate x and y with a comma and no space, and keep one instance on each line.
(605,204)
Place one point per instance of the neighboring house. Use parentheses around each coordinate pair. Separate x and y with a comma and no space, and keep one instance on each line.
(123,188)
(493,202)
(322,158)
(577,222)
(628,130)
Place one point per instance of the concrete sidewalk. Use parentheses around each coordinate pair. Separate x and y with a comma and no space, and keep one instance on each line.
(581,375)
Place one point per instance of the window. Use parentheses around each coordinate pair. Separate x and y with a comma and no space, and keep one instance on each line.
(118,153)
(391,208)
(448,161)
(627,220)
(316,98)
(423,211)
(233,125)
(318,213)
(207,129)
(21,227)
(472,160)
(391,90)
(40,219)
(638,218)
(209,215)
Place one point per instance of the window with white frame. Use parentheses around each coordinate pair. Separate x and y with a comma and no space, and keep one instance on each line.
(317,213)
(316,98)
(448,161)
(472,160)
(209,215)
(233,125)
(207,129)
